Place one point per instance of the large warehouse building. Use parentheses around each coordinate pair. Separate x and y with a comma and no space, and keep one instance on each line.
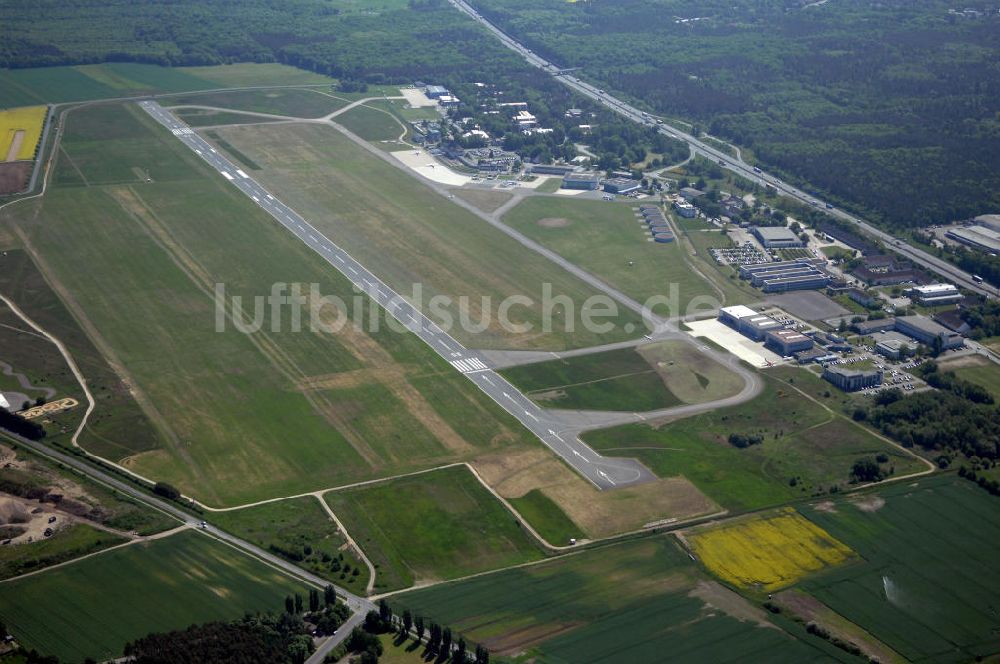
(850,380)
(787,342)
(776,237)
(978,237)
(934,294)
(589,181)
(924,330)
(748,322)
(799,274)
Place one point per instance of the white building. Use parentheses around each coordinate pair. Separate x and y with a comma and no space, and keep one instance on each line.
(932,294)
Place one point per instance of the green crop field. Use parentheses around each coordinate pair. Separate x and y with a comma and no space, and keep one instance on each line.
(411,237)
(546,518)
(603,238)
(657,375)
(433,526)
(293,102)
(928,583)
(239,417)
(300,531)
(801,441)
(93,607)
(241,74)
(67,544)
(631,602)
(372,122)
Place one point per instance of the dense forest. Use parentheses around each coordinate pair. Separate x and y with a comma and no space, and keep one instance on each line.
(389,40)
(890,107)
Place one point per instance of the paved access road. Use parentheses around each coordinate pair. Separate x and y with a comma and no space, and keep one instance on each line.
(605,473)
(735,164)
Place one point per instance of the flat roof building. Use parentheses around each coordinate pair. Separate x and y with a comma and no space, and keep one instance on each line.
(732,316)
(924,330)
(851,380)
(621,186)
(787,341)
(588,181)
(435,91)
(867,327)
(977,237)
(776,237)
(552,169)
(691,193)
(801,274)
(894,348)
(685,209)
(933,294)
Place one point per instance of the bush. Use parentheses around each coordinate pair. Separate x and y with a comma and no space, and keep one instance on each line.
(168,491)
(741,440)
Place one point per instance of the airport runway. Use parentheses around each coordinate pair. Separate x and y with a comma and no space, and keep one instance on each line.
(603,472)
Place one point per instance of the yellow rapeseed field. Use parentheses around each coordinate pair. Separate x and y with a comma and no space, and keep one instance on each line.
(769,552)
(28,119)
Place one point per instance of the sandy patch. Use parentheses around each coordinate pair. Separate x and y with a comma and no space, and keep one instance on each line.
(597,513)
(15,145)
(30,518)
(416,98)
(426,165)
(718,597)
(869,503)
(826,506)
(554,222)
(740,346)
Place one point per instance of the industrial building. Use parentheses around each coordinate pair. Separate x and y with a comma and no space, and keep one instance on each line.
(551,169)
(852,380)
(786,342)
(621,186)
(589,181)
(894,349)
(801,274)
(436,91)
(685,209)
(866,327)
(864,298)
(748,322)
(977,237)
(924,330)
(934,294)
(776,237)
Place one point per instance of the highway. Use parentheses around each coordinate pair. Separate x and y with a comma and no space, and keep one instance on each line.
(735,164)
(603,472)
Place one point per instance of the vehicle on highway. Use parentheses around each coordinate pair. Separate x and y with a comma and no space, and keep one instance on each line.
(977,278)
(829,206)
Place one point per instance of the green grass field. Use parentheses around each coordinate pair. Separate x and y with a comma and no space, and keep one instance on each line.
(434,526)
(293,102)
(802,440)
(240,417)
(657,375)
(22,87)
(73,542)
(983,373)
(409,235)
(546,518)
(372,122)
(94,607)
(197,117)
(632,602)
(300,531)
(613,380)
(928,585)
(603,238)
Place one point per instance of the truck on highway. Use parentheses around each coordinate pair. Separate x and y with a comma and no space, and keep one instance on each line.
(977,278)
(756,169)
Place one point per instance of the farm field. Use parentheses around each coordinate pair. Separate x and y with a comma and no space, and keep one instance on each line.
(657,375)
(647,593)
(927,585)
(303,103)
(409,235)
(22,87)
(603,237)
(93,607)
(20,131)
(300,531)
(765,553)
(805,448)
(240,417)
(431,527)
(66,544)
